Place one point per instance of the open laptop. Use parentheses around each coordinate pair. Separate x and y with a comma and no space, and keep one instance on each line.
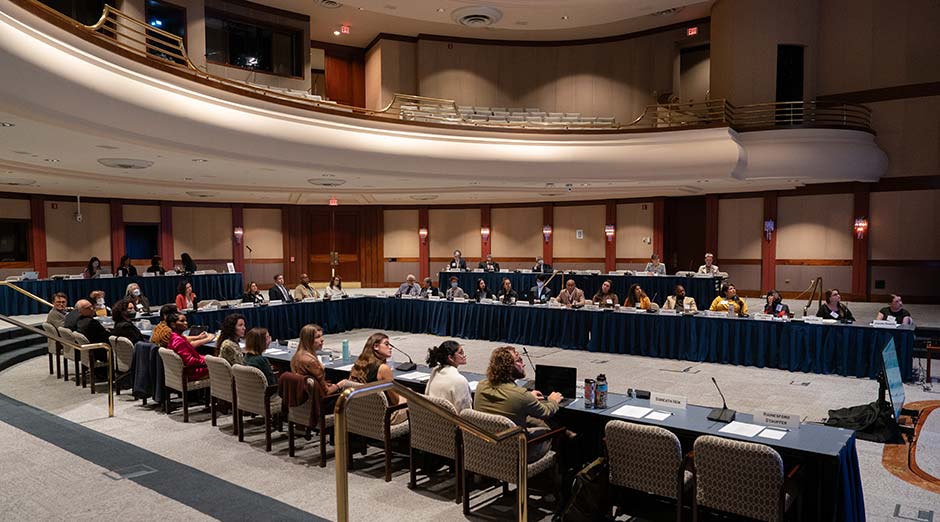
(561,379)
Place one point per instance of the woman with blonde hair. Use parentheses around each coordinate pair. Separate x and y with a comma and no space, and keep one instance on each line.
(305,361)
(371,366)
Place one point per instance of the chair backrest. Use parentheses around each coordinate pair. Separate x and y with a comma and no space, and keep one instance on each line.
(250,385)
(429,432)
(643,458)
(123,352)
(302,414)
(66,334)
(499,461)
(173,373)
(220,377)
(80,338)
(366,415)
(52,342)
(742,478)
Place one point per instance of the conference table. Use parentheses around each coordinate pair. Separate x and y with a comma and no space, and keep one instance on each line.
(830,470)
(159,290)
(702,289)
(848,350)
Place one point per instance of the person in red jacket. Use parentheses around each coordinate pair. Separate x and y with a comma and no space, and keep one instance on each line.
(194,364)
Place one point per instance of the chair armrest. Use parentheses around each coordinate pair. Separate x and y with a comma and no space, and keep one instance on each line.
(396,407)
(548,435)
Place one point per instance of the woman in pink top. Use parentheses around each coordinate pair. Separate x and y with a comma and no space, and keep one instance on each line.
(194,364)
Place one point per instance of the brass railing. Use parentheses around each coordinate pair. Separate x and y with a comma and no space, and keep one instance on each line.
(79,347)
(764,116)
(30,295)
(342,441)
(671,115)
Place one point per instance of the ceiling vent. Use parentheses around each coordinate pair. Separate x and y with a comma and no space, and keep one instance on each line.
(329,4)
(477,16)
(125,163)
(17,182)
(326,182)
(423,197)
(668,12)
(197,194)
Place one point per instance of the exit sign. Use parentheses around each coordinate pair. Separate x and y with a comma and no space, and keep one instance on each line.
(691,31)
(344,29)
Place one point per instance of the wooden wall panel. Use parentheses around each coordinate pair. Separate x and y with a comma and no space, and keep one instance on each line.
(68,240)
(345,79)
(634,227)
(740,226)
(453,229)
(14,208)
(905,225)
(141,213)
(400,238)
(263,233)
(203,232)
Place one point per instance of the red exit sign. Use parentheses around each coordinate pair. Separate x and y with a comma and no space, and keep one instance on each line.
(691,31)
(344,29)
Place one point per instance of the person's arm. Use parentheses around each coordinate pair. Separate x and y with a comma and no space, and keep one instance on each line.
(645,303)
(386,374)
(907,319)
(199,340)
(848,315)
(880,316)
(714,306)
(533,407)
(692,306)
(180,302)
(743,306)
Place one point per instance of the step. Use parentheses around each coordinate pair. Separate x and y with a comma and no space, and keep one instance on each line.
(15,356)
(29,338)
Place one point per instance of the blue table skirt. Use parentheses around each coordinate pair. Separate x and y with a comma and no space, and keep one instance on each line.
(703,290)
(159,290)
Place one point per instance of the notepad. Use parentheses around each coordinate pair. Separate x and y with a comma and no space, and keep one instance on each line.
(658,415)
(415,376)
(772,433)
(633,412)
(741,428)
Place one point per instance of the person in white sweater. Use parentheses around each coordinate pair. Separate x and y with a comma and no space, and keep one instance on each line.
(446,382)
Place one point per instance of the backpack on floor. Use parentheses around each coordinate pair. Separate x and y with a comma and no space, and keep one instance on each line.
(590,494)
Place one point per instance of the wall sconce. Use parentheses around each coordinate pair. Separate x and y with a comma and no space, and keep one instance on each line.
(609,231)
(239,233)
(485,233)
(423,235)
(861,228)
(547,233)
(769,227)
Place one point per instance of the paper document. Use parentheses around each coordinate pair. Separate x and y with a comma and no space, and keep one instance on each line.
(741,428)
(473,385)
(772,433)
(345,368)
(658,415)
(633,412)
(276,351)
(415,376)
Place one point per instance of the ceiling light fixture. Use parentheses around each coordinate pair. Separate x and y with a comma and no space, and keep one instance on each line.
(336,32)
(329,4)
(326,182)
(440,9)
(565,17)
(125,163)
(51,160)
(7,124)
(197,194)
(17,182)
(423,197)
(200,160)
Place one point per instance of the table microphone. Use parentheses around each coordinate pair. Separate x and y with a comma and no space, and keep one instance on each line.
(405,367)
(530,385)
(722,414)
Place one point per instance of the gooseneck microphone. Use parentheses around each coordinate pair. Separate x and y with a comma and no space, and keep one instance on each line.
(405,367)
(530,385)
(722,414)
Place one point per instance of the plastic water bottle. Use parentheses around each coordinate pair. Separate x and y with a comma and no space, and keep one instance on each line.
(600,392)
(345,349)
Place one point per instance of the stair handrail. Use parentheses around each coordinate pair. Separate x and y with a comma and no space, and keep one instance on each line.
(28,294)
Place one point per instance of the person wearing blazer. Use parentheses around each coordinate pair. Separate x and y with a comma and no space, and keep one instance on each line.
(541,266)
(279,292)
(571,296)
(458,262)
(541,292)
(680,302)
(488,265)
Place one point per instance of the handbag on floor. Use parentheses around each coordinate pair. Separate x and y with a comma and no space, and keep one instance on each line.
(590,494)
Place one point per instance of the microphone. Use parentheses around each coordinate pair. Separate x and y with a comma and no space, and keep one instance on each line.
(405,367)
(530,385)
(722,414)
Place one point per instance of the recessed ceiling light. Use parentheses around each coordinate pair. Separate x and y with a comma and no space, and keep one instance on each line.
(361,8)
(197,194)
(7,124)
(329,4)
(108,147)
(424,197)
(326,182)
(23,152)
(125,163)
(565,17)
(336,33)
(51,160)
(200,160)
(17,182)
(440,9)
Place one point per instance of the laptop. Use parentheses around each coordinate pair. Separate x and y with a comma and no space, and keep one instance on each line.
(561,379)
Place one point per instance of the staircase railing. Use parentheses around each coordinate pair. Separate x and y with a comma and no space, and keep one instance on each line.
(30,295)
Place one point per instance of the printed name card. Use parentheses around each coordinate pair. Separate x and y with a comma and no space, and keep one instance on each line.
(667,311)
(884,324)
(812,319)
(763,317)
(106,276)
(434,297)
(310,300)
(245,305)
(275,303)
(664,400)
(79,276)
(780,420)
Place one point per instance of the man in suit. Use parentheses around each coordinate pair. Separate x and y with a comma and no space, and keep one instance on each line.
(489,265)
(541,266)
(409,287)
(91,328)
(709,267)
(540,293)
(458,262)
(279,292)
(571,296)
(680,302)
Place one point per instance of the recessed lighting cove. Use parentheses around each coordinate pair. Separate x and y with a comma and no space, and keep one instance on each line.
(125,163)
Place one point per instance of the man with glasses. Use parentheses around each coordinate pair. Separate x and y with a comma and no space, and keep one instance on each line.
(60,304)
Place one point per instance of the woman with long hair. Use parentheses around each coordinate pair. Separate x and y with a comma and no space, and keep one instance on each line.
(125,268)
(371,366)
(305,361)
(636,298)
(335,288)
(482,291)
(253,294)
(256,342)
(833,308)
(185,297)
(446,382)
(233,331)
(189,266)
(605,297)
(92,269)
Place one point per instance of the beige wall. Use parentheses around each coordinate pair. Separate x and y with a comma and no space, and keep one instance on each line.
(905,225)
(263,233)
(14,208)
(68,240)
(454,229)
(634,225)
(909,132)
(740,229)
(744,277)
(568,220)
(401,233)
(815,227)
(797,278)
(516,232)
(203,232)
(373,76)
(390,68)
(141,213)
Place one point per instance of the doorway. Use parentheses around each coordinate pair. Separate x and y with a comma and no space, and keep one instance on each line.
(334,245)
(684,233)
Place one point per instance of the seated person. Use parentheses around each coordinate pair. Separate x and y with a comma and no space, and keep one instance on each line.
(189,266)
(446,382)
(56,316)
(774,305)
(500,395)
(832,308)
(71,318)
(429,289)
(541,266)
(305,361)
(541,292)
(279,292)
(654,266)
(409,287)
(729,300)
(637,298)
(133,294)
(125,268)
(98,298)
(335,288)
(155,266)
(305,290)
(455,292)
(708,267)
(571,296)
(506,294)
(88,326)
(253,294)
(185,297)
(123,315)
(488,264)
(458,262)
(162,331)
(680,302)
(895,310)
(194,364)
(604,297)
(371,366)
(257,341)
(482,291)
(230,337)
(92,269)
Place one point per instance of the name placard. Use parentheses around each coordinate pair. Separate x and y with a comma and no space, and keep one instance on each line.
(664,400)
(763,317)
(812,319)
(667,311)
(780,420)
(245,305)
(106,276)
(230,267)
(434,297)
(275,303)
(149,274)
(884,323)
(310,299)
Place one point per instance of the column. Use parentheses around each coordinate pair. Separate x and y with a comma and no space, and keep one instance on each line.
(548,219)
(424,250)
(860,247)
(37,217)
(117,233)
(238,251)
(768,248)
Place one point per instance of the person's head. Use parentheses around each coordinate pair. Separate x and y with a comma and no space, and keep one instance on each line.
(233,328)
(606,285)
(506,365)
(252,288)
(539,260)
(184,288)
(186,259)
(125,260)
(489,258)
(123,310)
(454,282)
(507,284)
(156,260)
(336,282)
(60,301)
(279,279)
(540,280)
(304,279)
(410,279)
(457,253)
(85,308)
(376,351)
(709,258)
(257,341)
(311,338)
(636,292)
(569,285)
(448,353)
(177,322)
(94,264)
(132,290)
(654,259)
(481,284)
(729,291)
(896,303)
(680,293)
(832,296)
(165,312)
(97,297)
(773,297)
(428,282)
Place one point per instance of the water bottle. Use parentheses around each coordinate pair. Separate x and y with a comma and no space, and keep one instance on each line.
(589,394)
(600,392)
(345,349)
(730,308)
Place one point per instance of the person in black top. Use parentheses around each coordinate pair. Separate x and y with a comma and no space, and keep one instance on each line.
(71,318)
(123,313)
(506,294)
(775,306)
(542,266)
(155,266)
(541,292)
(126,269)
(252,294)
(895,310)
(189,266)
(88,326)
(482,292)
(458,262)
(429,289)
(833,308)
(489,265)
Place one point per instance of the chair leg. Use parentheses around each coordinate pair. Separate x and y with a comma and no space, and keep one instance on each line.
(505,488)
(466,492)
(323,445)
(388,457)
(236,426)
(411,467)
(78,370)
(58,364)
(241,426)
(185,404)
(50,363)
(290,438)
(65,368)
(267,427)
(460,474)
(213,412)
